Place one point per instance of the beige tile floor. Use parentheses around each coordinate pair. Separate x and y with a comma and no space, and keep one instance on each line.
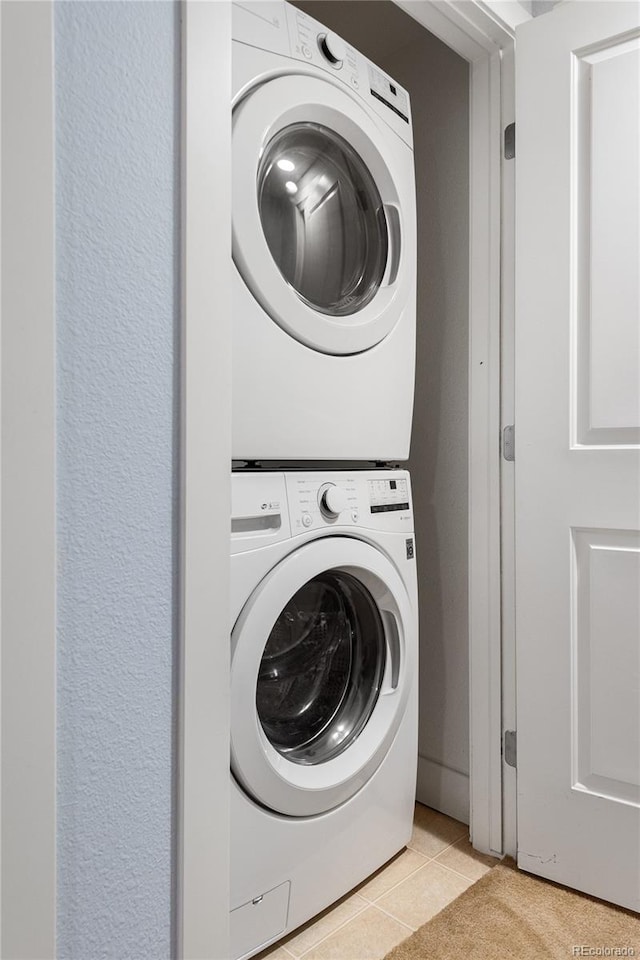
(436,867)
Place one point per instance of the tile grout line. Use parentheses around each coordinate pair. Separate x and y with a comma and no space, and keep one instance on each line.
(375,903)
(458,874)
(370,904)
(451,843)
(400,882)
(367,903)
(440,852)
(381,909)
(347,922)
(393,887)
(392,916)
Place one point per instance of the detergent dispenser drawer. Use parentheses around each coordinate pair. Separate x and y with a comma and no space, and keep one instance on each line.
(260,920)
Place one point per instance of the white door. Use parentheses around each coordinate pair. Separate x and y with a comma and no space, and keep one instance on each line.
(577,448)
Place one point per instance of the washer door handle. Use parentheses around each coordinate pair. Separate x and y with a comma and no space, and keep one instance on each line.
(393,651)
(392,214)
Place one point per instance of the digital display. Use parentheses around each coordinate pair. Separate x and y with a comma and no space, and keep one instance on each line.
(387,495)
(403,116)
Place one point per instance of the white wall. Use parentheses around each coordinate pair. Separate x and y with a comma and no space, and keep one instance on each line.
(539,7)
(438,81)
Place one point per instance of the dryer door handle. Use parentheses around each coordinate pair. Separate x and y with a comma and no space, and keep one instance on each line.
(392,214)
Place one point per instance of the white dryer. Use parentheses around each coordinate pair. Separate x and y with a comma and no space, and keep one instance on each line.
(324,245)
(323,691)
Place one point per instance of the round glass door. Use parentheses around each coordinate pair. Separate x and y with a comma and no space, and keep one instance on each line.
(322,664)
(323,214)
(321,669)
(323,218)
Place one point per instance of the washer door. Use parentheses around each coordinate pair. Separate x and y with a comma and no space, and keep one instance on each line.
(317,213)
(322,661)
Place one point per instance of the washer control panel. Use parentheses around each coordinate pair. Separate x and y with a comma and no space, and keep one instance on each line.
(312,42)
(320,500)
(389,93)
(333,48)
(378,499)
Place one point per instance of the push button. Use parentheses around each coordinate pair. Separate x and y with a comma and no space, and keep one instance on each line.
(307,519)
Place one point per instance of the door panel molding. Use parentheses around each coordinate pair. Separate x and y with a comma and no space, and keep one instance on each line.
(606,730)
(605,294)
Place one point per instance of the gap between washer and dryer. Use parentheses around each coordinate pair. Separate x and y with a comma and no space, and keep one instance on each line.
(437,866)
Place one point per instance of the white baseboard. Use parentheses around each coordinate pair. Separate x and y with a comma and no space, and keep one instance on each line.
(443,789)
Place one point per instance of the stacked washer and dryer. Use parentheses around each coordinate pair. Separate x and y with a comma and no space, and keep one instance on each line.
(324,639)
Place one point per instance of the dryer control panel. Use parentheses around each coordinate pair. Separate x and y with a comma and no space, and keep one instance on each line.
(277,26)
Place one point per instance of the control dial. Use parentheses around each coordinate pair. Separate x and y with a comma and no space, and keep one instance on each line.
(333,48)
(332,500)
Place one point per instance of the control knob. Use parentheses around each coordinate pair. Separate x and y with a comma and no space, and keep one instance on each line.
(333,48)
(332,499)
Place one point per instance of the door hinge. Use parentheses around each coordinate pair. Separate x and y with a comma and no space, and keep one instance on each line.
(509,442)
(510,141)
(510,751)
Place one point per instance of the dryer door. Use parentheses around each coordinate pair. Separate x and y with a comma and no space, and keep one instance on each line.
(320,195)
(323,657)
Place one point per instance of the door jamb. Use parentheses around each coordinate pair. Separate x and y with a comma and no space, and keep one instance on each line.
(507,468)
(481,33)
(202,882)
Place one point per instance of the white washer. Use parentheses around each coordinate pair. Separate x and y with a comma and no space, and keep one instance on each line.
(324,653)
(324,245)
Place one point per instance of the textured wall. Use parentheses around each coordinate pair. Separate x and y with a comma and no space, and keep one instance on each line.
(117,249)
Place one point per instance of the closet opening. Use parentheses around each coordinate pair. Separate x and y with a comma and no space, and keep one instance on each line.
(437,80)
